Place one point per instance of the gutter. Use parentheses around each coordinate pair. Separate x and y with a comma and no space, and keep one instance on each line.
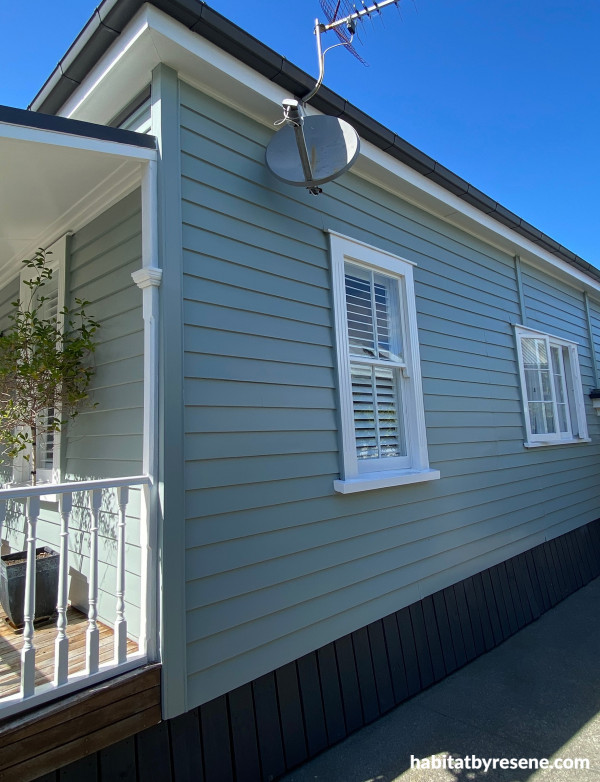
(112,16)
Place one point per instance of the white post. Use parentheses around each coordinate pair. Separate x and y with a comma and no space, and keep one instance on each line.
(28,650)
(2,517)
(148,278)
(121,622)
(93,633)
(61,645)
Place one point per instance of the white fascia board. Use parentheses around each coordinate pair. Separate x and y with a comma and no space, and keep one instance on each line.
(398,178)
(152,37)
(70,141)
(118,76)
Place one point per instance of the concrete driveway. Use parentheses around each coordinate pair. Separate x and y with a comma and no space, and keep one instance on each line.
(535,696)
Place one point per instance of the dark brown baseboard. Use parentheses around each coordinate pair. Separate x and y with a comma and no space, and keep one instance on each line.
(78,725)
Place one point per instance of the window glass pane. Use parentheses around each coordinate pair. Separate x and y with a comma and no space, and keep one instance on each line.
(541,416)
(387,310)
(372,308)
(376,405)
(45,445)
(364,412)
(361,333)
(48,311)
(538,385)
(389,420)
(558,374)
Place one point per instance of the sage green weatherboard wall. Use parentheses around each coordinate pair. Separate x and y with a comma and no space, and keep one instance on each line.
(104,441)
(278,564)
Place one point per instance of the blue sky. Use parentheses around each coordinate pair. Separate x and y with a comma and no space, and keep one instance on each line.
(504,94)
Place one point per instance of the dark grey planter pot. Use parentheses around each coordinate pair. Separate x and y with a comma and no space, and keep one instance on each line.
(12,584)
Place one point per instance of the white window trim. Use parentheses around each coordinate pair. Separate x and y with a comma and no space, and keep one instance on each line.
(58,263)
(352,479)
(546,440)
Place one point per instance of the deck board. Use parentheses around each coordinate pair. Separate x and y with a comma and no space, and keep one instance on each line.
(11,644)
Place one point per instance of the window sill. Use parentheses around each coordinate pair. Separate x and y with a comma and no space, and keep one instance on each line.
(550,443)
(381,480)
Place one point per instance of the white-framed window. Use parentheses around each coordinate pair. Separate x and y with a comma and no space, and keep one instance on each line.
(53,291)
(381,400)
(551,386)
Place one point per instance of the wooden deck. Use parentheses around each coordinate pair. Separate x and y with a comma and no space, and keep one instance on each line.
(12,642)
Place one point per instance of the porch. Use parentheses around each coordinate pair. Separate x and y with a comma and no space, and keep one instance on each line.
(88,192)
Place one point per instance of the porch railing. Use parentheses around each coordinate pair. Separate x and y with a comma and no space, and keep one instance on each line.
(94,491)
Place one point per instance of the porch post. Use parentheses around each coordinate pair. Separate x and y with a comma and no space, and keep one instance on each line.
(148,279)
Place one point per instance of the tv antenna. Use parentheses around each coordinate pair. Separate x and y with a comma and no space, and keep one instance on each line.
(345,29)
(311,150)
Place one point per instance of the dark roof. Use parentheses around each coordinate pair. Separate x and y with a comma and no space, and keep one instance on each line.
(105,25)
(74,127)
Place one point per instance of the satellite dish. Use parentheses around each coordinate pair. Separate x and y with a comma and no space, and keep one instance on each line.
(309,151)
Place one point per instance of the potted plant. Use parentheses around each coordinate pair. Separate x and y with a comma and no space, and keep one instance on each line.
(45,373)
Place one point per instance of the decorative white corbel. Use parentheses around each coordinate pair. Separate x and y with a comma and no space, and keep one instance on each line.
(148,276)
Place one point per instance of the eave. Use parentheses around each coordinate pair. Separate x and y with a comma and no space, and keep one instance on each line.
(57,174)
(78,71)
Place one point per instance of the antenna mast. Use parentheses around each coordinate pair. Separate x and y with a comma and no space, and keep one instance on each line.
(334,24)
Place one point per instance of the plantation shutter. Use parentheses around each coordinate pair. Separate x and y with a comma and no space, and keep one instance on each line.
(374,339)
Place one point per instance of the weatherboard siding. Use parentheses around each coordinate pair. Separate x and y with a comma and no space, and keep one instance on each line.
(105,440)
(277,563)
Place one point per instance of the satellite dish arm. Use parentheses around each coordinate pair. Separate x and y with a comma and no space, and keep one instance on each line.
(319,29)
(321,57)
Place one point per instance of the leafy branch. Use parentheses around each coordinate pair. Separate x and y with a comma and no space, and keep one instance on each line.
(44,366)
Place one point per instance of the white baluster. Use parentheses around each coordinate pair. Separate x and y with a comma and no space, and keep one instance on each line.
(61,645)
(93,634)
(28,650)
(121,622)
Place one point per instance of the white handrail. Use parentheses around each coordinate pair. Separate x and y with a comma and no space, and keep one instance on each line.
(21,492)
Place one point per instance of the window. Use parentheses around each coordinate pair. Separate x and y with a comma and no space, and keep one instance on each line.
(381,403)
(48,446)
(552,390)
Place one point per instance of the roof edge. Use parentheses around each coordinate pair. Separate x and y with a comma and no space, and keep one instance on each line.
(74,127)
(112,16)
